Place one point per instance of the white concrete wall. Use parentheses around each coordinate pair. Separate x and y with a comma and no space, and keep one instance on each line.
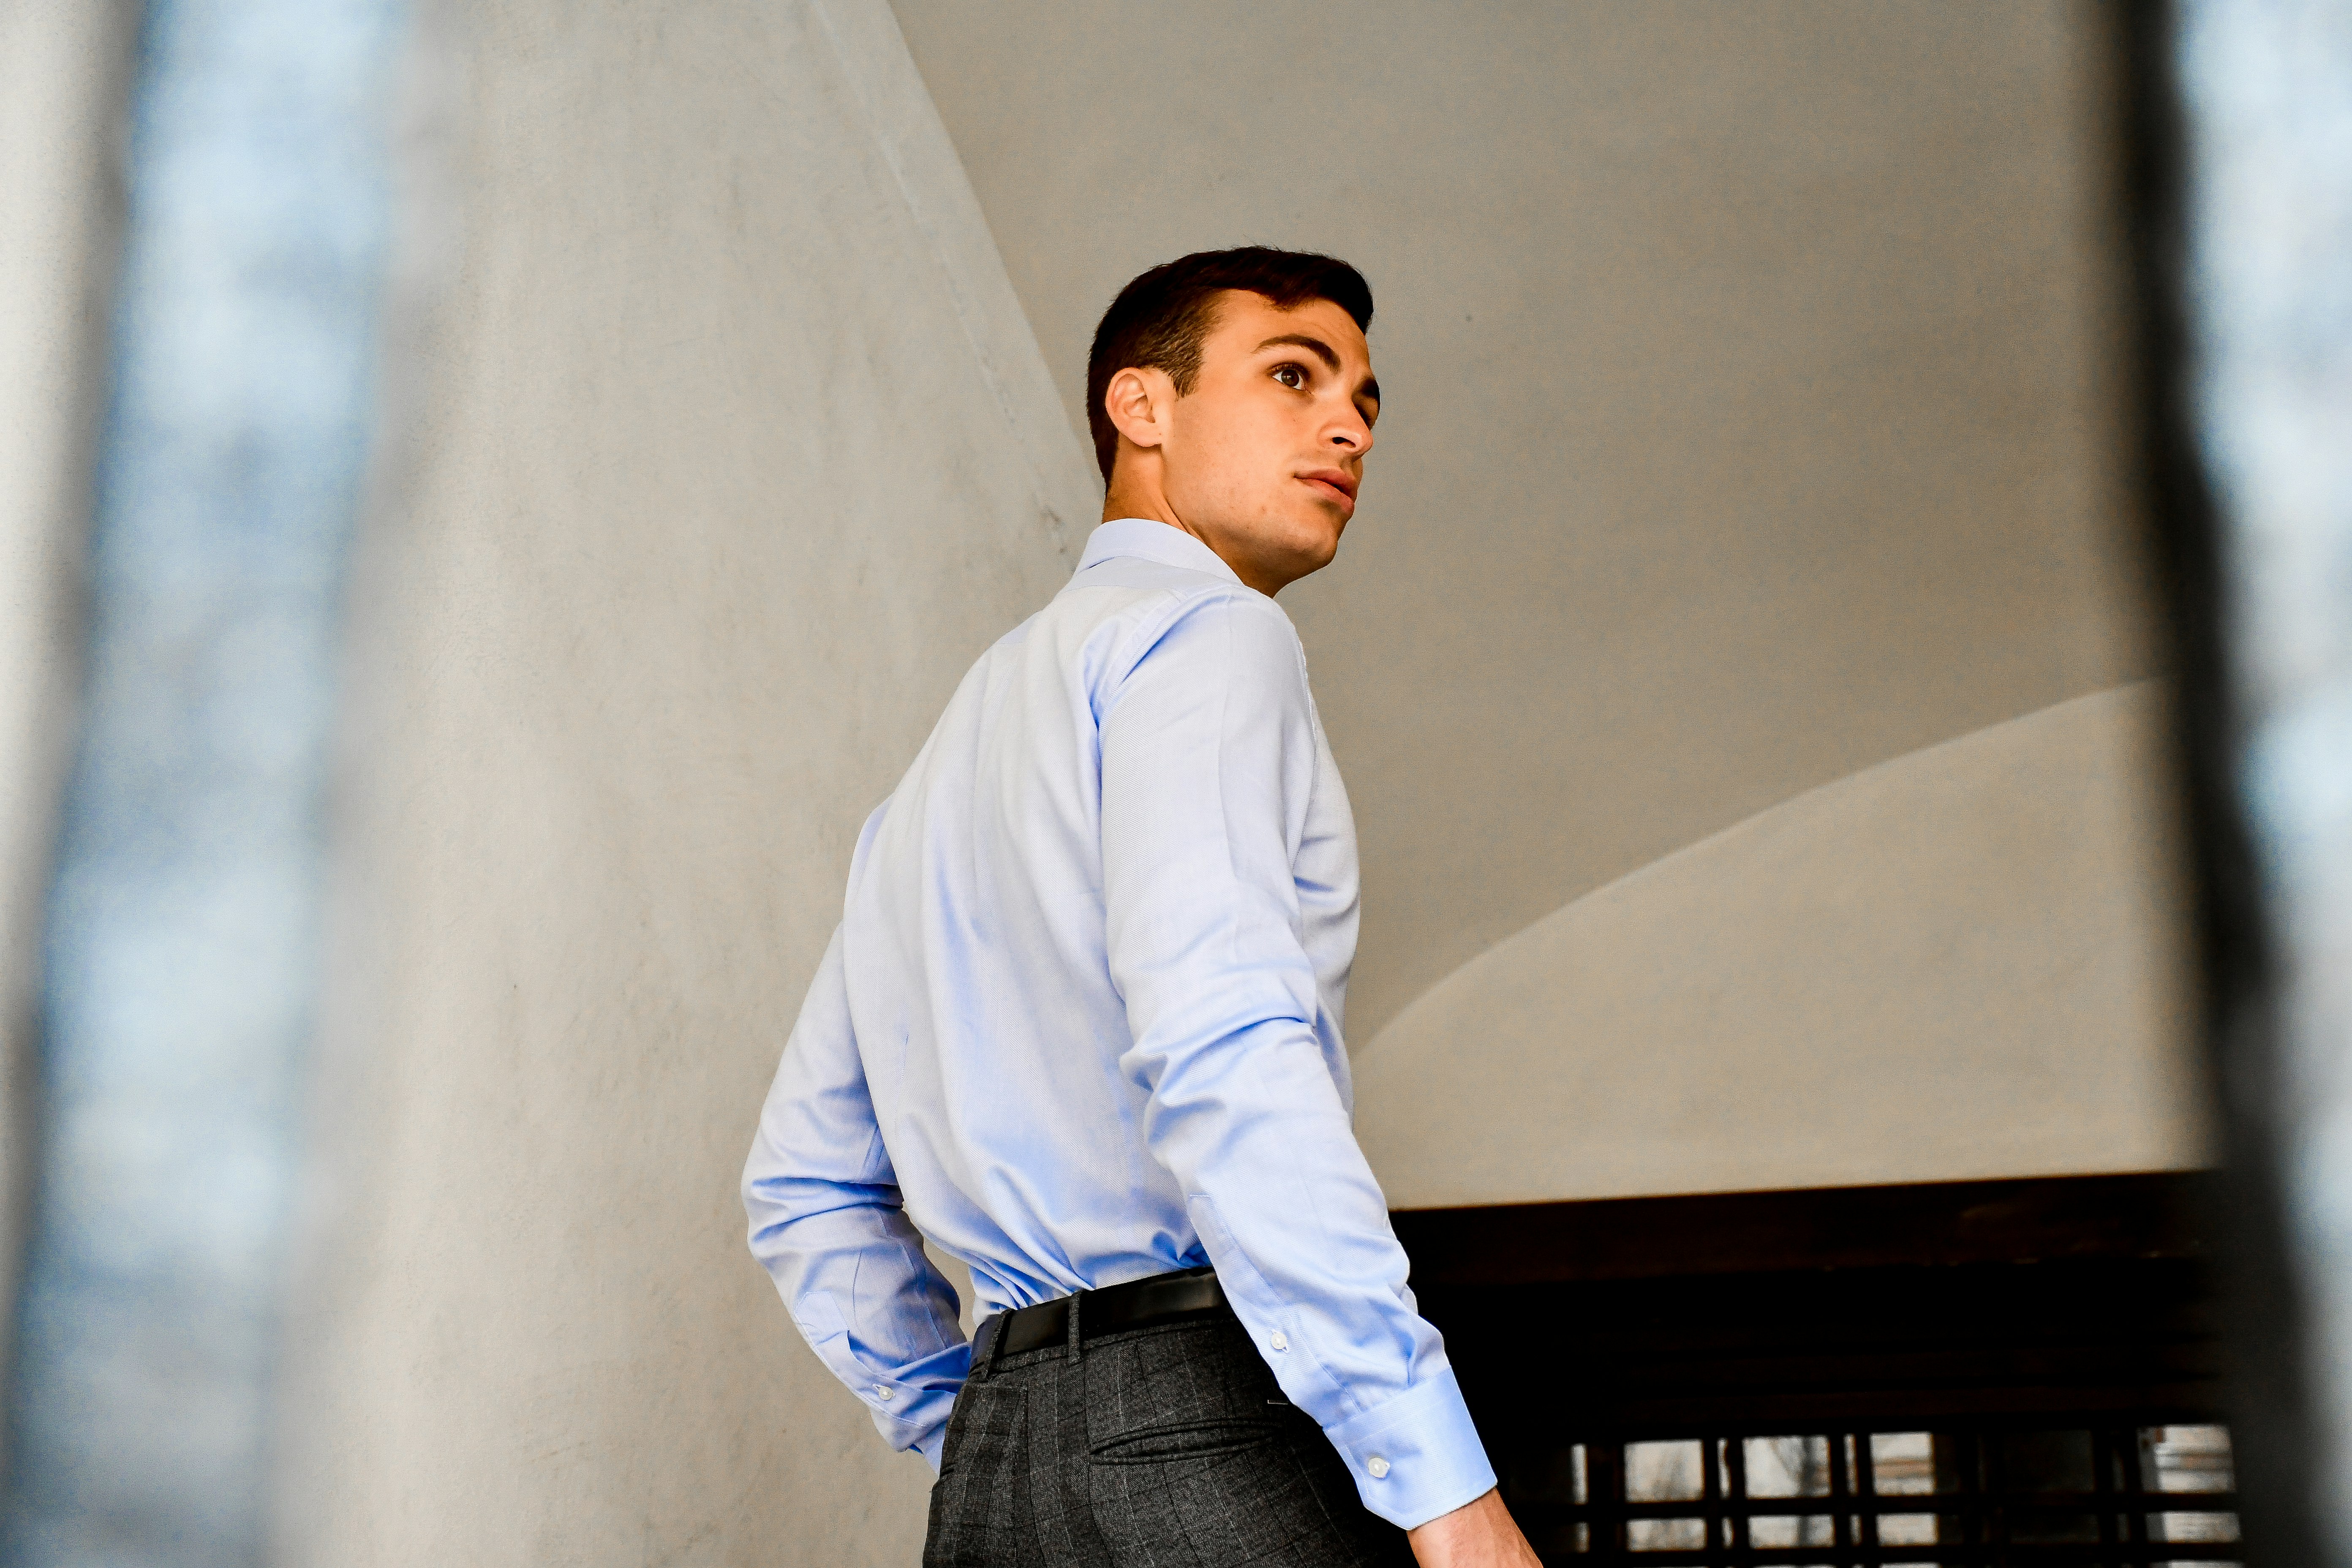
(733,450)
(61,77)
(1962,963)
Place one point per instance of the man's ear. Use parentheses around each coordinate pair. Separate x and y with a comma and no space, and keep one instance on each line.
(1138,402)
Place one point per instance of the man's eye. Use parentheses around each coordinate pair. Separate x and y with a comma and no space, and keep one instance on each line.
(1291,377)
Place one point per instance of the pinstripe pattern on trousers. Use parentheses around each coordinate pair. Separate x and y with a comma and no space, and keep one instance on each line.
(1169,1447)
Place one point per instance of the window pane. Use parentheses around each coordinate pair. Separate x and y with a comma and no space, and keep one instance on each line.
(1663,1472)
(1903,1464)
(1787,1467)
(1806,1529)
(2192,1527)
(1665,1534)
(2187,1459)
(1907,1530)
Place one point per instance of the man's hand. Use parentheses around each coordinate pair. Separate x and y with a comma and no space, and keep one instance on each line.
(1476,1535)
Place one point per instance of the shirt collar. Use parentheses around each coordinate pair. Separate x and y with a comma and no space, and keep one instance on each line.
(1152,541)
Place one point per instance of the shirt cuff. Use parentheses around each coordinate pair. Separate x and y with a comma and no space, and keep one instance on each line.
(911,1409)
(1417,1456)
(922,1427)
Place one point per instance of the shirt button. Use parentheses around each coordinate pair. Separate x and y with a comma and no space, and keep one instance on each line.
(882,1392)
(1377,1467)
(1281,1340)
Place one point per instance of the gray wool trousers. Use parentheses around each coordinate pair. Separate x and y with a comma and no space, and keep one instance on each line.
(1167,1446)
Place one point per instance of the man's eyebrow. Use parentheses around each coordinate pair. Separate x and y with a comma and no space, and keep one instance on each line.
(1320,349)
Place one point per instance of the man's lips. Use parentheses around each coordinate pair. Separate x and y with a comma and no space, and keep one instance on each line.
(1336,482)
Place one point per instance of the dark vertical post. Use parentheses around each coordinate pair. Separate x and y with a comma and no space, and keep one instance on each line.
(181,928)
(2137,1464)
(1604,1468)
(1710,1470)
(1735,1486)
(1865,1488)
(1976,1512)
(1841,1515)
(2240,191)
(1999,1515)
(2104,1459)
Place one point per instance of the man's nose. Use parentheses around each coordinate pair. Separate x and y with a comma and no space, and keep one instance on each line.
(1351,433)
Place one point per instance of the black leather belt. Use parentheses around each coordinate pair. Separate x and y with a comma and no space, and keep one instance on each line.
(1137,1304)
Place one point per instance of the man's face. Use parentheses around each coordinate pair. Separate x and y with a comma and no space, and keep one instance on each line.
(1263,457)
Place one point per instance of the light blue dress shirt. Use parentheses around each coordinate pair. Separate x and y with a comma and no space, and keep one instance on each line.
(1080,1024)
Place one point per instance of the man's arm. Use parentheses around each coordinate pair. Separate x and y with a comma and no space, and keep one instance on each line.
(1482,1535)
(828,1225)
(1208,762)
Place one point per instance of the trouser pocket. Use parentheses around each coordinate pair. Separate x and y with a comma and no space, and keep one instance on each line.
(980,1514)
(1193,1460)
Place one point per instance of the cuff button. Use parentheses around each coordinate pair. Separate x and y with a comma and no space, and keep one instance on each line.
(1377,1467)
(882,1394)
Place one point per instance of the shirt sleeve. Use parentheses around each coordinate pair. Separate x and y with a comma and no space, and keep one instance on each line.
(828,1225)
(1208,764)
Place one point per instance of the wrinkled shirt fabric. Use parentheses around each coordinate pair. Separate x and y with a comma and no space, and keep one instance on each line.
(1080,1024)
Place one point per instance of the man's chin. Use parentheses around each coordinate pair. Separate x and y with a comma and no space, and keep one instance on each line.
(1322,541)
(1291,545)
(1310,550)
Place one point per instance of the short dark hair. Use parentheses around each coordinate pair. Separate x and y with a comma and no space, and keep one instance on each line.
(1158,321)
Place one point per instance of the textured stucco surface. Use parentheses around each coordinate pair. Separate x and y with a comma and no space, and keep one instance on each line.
(1749,378)
(730,451)
(61,72)
(1961,963)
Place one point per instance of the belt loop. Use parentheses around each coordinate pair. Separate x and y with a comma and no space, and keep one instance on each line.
(1001,1323)
(1076,1297)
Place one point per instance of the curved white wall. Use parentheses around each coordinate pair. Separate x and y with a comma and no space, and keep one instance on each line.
(1750,396)
(1965,963)
(731,451)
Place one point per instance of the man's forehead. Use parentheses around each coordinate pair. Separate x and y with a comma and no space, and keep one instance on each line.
(1247,320)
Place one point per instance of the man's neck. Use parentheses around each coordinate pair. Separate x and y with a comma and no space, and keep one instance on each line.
(1137,495)
(1146,502)
(1126,497)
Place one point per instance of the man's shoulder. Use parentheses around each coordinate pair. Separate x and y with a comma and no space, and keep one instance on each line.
(1143,590)
(1184,619)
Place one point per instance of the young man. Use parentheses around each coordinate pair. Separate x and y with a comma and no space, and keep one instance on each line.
(1080,1024)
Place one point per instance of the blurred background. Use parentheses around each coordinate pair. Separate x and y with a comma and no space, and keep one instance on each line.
(491,496)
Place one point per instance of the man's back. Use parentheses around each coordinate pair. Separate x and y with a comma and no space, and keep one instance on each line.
(981,980)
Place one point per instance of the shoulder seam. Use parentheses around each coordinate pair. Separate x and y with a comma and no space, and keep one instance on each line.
(1169,602)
